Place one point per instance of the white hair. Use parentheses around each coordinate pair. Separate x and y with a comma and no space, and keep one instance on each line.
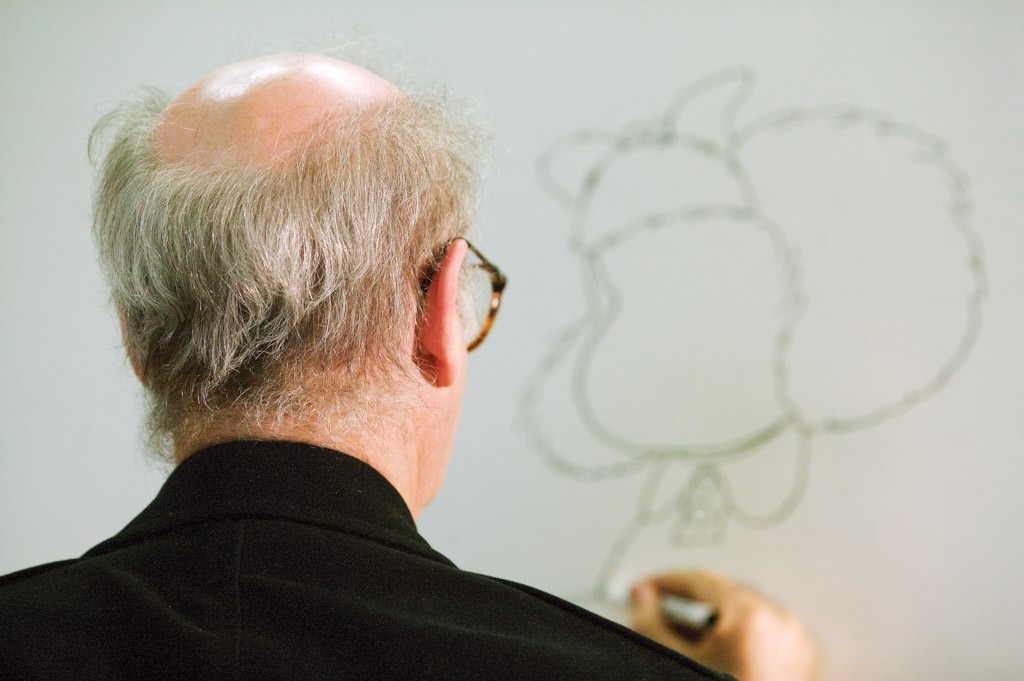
(241,288)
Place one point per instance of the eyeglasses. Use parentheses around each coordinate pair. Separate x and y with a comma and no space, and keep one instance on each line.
(480,286)
(482,283)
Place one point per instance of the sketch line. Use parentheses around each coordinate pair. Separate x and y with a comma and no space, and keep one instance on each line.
(706,503)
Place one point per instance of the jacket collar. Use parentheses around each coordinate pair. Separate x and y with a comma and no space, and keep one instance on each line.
(282,481)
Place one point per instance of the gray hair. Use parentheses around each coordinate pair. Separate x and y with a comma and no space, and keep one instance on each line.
(240,287)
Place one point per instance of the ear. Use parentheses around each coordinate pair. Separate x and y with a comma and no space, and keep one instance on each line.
(136,367)
(440,347)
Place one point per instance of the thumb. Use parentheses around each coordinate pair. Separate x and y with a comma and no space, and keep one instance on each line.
(647,619)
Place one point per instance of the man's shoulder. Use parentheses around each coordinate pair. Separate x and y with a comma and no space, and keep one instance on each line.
(31,596)
(33,599)
(580,633)
(27,577)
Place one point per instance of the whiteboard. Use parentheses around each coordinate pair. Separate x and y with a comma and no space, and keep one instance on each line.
(764,308)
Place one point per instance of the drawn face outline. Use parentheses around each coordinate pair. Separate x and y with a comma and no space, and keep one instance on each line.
(706,478)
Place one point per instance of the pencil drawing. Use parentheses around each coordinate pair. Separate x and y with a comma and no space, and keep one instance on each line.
(794,259)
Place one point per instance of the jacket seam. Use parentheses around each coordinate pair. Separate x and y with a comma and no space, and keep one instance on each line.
(237,589)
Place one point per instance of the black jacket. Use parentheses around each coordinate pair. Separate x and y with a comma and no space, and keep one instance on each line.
(270,560)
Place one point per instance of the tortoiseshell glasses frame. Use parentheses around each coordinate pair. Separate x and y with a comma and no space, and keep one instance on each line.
(498,281)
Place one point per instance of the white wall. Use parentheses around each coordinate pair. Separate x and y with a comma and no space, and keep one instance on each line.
(902,549)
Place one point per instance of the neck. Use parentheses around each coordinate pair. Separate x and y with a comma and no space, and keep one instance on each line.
(390,445)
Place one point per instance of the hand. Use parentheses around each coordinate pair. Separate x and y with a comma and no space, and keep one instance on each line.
(752,639)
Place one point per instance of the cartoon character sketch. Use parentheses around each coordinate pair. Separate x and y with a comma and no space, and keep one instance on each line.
(751,287)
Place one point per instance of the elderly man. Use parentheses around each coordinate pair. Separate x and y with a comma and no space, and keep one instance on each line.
(286,246)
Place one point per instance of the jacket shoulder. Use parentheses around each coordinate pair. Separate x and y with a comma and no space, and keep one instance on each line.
(613,631)
(26,574)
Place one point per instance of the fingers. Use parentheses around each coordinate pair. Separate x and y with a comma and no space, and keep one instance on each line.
(753,638)
(735,603)
(649,620)
(701,585)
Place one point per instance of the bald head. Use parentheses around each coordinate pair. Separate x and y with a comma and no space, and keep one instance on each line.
(251,296)
(257,111)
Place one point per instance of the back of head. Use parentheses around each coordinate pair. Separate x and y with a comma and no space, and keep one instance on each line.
(273,267)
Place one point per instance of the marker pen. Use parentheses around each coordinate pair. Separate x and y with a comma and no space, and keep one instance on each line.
(688,613)
(685,612)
